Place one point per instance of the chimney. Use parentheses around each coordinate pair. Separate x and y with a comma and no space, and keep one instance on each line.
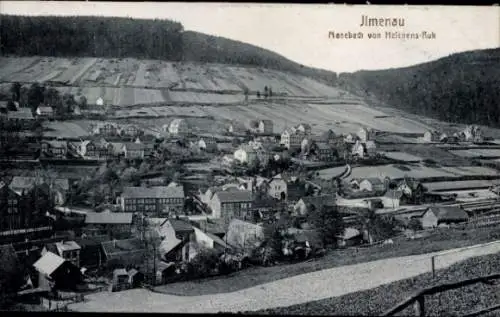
(114,243)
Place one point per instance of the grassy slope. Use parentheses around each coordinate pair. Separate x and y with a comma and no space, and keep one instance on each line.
(375,301)
(437,241)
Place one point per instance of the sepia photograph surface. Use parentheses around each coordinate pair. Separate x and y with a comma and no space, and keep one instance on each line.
(248,158)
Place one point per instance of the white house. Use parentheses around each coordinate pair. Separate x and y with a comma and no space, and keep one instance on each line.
(292,139)
(358,149)
(431,136)
(372,185)
(304,128)
(245,154)
(99,102)
(365,135)
(207,144)
(44,112)
(350,138)
(178,127)
(265,127)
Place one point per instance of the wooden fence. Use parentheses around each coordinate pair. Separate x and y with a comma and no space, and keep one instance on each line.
(418,300)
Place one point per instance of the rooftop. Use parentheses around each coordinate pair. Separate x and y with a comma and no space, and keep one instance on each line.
(109,218)
(153,192)
(67,246)
(235,196)
(48,263)
(449,213)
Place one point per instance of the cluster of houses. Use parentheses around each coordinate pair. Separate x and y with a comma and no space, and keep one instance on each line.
(471,133)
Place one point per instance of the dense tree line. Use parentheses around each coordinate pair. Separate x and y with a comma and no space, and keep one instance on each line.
(461,88)
(126,37)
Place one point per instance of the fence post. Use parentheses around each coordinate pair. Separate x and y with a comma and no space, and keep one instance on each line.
(419,306)
(433,263)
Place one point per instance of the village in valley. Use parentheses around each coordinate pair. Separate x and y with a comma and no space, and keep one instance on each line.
(125,207)
(123,174)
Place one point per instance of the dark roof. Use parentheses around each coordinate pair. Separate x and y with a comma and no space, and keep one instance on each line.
(318,201)
(51,247)
(181,225)
(132,146)
(235,196)
(449,213)
(108,218)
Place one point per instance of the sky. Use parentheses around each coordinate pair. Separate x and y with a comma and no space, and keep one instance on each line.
(300,32)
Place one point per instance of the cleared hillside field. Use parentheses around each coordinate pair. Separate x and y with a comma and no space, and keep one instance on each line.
(341,118)
(395,171)
(129,72)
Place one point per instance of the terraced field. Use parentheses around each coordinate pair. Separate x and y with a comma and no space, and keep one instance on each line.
(166,81)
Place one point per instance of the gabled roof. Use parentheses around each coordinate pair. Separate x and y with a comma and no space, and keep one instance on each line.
(48,263)
(449,213)
(45,109)
(58,144)
(67,246)
(153,192)
(235,196)
(109,218)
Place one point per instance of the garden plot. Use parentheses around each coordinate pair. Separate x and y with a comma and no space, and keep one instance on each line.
(402,156)
(134,113)
(77,68)
(460,185)
(494,153)
(8,68)
(147,96)
(394,171)
(204,98)
(471,170)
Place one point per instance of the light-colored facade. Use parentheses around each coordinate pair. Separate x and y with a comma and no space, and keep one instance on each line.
(292,139)
(277,187)
(245,154)
(231,204)
(265,127)
(431,136)
(156,200)
(178,127)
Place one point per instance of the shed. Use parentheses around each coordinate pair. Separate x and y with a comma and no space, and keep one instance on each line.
(437,215)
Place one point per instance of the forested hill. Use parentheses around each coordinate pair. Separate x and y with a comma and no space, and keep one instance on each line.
(127,37)
(462,88)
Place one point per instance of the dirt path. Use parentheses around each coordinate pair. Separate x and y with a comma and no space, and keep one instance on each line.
(290,291)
